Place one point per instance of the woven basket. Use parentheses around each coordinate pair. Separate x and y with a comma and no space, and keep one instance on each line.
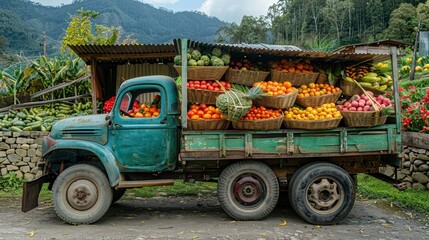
(247,77)
(350,89)
(263,124)
(318,100)
(202,96)
(207,124)
(279,102)
(363,119)
(312,124)
(204,73)
(297,79)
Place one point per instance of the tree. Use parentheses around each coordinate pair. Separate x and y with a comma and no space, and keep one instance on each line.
(402,23)
(423,15)
(335,14)
(80,31)
(250,30)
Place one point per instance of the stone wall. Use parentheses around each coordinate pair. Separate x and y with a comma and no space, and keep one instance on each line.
(414,169)
(20,152)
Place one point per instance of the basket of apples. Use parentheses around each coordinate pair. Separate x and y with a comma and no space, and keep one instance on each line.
(205,91)
(365,110)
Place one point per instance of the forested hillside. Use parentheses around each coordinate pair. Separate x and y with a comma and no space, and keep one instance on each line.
(324,24)
(22,23)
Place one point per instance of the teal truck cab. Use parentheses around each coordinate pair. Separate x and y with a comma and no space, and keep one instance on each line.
(90,161)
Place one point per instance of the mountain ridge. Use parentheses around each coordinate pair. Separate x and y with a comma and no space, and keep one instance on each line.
(144,22)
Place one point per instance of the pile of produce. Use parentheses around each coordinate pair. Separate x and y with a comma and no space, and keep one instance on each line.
(365,102)
(297,66)
(204,112)
(316,89)
(206,58)
(259,113)
(234,104)
(144,111)
(108,104)
(246,64)
(41,118)
(369,77)
(208,85)
(325,111)
(274,88)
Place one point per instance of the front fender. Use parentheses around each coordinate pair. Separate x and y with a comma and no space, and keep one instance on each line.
(106,157)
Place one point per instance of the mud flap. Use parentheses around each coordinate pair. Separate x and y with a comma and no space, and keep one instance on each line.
(30,193)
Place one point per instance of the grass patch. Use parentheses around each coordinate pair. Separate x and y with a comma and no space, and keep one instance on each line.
(373,188)
(179,188)
(45,193)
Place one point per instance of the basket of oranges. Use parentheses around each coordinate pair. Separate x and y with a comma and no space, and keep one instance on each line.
(276,95)
(298,72)
(260,118)
(321,117)
(203,117)
(316,94)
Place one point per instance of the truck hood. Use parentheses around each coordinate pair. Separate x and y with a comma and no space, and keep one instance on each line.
(90,128)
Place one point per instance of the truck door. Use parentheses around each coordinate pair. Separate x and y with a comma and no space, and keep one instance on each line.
(139,141)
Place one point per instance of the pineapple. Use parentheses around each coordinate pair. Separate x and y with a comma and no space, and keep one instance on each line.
(234,104)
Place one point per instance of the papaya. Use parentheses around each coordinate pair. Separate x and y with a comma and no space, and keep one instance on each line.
(368,79)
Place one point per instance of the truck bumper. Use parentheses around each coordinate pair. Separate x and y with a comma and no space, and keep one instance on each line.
(30,193)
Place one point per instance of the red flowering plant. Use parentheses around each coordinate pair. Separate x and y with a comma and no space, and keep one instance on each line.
(415,109)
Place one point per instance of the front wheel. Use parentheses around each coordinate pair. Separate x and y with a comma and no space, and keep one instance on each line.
(248,190)
(323,193)
(81,194)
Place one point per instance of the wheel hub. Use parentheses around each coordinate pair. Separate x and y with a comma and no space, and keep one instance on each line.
(248,190)
(324,194)
(82,194)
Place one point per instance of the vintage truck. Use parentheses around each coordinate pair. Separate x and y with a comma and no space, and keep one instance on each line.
(91,160)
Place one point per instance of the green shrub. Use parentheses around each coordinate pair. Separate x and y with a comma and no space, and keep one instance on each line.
(10,182)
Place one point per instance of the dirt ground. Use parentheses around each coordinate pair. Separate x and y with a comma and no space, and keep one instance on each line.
(201,217)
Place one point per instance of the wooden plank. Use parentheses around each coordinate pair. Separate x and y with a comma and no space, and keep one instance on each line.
(39,103)
(56,87)
(93,79)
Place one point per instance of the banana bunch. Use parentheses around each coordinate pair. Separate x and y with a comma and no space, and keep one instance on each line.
(373,80)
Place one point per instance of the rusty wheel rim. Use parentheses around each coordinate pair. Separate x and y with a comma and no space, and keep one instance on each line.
(248,190)
(82,194)
(325,195)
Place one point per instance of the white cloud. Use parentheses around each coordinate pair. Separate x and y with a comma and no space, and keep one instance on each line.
(234,10)
(155,2)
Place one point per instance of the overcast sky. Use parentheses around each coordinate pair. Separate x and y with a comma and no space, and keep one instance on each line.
(226,10)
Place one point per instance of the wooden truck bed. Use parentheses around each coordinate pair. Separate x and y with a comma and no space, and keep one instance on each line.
(290,143)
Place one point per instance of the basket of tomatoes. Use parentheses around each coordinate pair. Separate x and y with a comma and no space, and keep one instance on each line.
(276,95)
(316,94)
(205,91)
(321,117)
(260,118)
(298,72)
(203,117)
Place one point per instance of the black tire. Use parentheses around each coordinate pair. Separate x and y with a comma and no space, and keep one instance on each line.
(323,193)
(117,194)
(248,190)
(291,182)
(81,194)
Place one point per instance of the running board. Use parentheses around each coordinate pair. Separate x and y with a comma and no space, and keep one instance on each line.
(145,183)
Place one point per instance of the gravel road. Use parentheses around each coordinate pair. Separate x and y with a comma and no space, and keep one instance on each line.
(201,217)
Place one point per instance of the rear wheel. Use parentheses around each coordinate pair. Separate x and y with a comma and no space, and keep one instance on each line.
(323,193)
(81,194)
(248,190)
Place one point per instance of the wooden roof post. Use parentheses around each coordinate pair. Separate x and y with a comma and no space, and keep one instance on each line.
(93,85)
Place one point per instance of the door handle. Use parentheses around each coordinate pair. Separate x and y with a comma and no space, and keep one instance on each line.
(117,125)
(163,121)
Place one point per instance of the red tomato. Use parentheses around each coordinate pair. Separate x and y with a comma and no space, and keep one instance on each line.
(204,86)
(203,82)
(210,88)
(217,89)
(214,84)
(228,85)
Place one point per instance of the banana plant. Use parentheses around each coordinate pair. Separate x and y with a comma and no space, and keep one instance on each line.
(14,83)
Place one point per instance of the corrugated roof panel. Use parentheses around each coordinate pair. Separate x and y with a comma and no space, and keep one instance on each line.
(124,53)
